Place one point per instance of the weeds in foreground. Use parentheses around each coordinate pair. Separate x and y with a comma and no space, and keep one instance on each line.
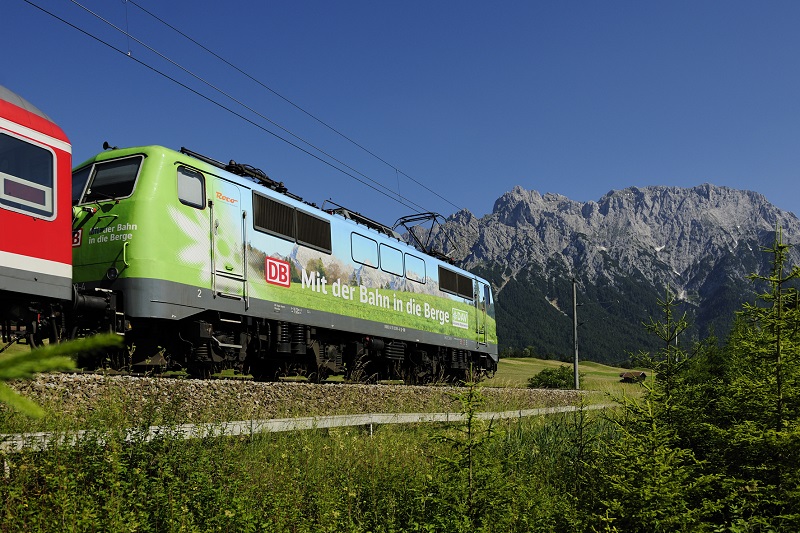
(50,358)
(337,480)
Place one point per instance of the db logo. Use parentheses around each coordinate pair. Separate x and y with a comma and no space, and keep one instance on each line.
(277,272)
(76,238)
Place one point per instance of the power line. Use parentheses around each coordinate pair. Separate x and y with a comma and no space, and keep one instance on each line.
(288,101)
(218,104)
(239,102)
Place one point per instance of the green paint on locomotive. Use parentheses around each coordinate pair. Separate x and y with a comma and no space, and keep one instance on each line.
(148,234)
(211,245)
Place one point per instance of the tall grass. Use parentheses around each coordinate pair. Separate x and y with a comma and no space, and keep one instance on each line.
(342,480)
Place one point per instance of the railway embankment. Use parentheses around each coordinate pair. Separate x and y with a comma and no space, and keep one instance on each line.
(126,400)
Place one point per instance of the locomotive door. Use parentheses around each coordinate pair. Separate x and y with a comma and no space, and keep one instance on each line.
(228,237)
(481,293)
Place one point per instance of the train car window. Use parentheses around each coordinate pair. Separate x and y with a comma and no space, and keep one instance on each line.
(455,283)
(313,232)
(27,177)
(112,180)
(391,260)
(364,250)
(415,268)
(273,217)
(191,187)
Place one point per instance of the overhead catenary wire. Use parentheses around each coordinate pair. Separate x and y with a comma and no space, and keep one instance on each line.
(387,191)
(218,104)
(291,103)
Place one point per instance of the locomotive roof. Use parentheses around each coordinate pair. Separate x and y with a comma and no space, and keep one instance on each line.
(10,96)
(206,164)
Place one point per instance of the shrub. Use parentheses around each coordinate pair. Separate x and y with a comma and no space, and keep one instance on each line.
(562,377)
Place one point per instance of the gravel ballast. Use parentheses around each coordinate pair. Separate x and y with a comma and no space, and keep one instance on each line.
(152,399)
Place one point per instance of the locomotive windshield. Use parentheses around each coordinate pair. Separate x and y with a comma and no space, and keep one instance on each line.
(107,180)
(78,183)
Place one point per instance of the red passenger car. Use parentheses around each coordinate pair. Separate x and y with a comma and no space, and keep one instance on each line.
(35,218)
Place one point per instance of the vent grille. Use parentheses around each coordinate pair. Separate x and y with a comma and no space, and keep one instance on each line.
(455,283)
(313,232)
(273,217)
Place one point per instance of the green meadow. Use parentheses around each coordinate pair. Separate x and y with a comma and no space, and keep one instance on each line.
(595,377)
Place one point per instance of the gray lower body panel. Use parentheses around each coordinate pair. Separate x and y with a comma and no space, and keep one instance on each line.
(35,284)
(158,299)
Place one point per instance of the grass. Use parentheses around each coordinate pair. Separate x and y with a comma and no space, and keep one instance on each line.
(595,377)
(17,347)
(338,480)
(396,478)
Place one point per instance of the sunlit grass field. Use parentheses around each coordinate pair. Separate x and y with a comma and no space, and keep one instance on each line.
(596,377)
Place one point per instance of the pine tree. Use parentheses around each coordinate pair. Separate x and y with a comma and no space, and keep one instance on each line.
(650,481)
(755,430)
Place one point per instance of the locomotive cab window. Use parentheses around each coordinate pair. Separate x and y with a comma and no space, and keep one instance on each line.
(191,188)
(79,179)
(111,180)
(27,177)
(455,283)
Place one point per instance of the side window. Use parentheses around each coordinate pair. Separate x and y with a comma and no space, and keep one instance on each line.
(27,177)
(365,250)
(415,268)
(191,187)
(391,260)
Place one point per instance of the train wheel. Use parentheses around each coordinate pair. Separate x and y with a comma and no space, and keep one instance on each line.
(264,371)
(200,369)
(34,335)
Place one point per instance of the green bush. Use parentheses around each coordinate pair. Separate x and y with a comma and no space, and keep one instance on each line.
(562,377)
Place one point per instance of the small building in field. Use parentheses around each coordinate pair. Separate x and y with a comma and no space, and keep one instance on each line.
(632,376)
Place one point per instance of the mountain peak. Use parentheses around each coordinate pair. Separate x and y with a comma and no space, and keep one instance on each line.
(699,241)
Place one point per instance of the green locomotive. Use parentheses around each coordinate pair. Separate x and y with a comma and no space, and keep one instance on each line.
(210,265)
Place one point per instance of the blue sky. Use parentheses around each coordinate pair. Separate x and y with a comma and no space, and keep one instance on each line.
(468,98)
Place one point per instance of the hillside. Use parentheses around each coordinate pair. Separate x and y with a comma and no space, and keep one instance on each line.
(623,250)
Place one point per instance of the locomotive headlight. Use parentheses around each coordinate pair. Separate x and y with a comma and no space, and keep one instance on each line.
(112,274)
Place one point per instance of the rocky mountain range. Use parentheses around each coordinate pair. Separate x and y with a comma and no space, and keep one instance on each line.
(624,252)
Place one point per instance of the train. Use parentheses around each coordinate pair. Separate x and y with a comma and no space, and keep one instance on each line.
(205,266)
